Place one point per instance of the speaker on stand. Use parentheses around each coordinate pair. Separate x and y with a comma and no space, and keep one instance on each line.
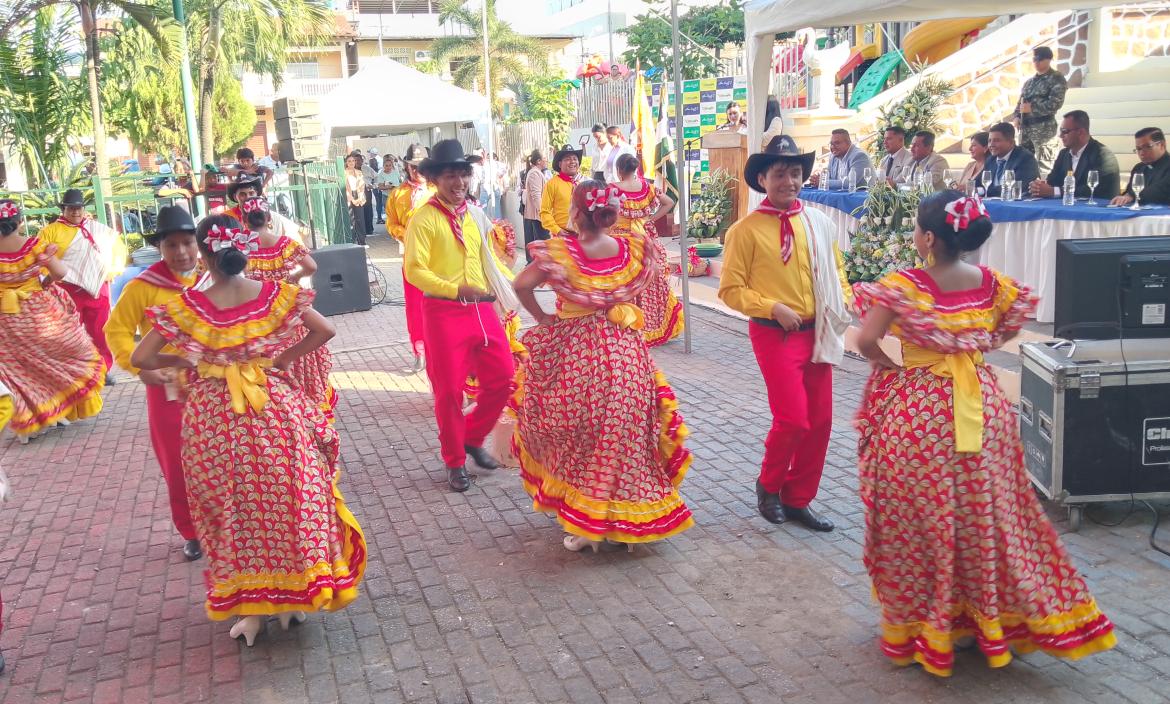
(341,281)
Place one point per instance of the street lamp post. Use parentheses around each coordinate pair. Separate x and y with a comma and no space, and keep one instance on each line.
(487,83)
(188,98)
(684,187)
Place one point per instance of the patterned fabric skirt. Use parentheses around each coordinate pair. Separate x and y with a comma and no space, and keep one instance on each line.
(512,329)
(661,308)
(599,436)
(959,545)
(264,496)
(310,374)
(49,363)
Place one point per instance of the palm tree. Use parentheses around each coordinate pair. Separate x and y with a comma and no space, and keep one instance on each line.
(146,15)
(40,105)
(512,55)
(259,34)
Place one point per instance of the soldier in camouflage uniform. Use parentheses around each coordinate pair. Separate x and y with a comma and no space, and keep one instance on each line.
(1040,100)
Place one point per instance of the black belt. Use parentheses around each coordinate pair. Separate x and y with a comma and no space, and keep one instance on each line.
(769,322)
(473,299)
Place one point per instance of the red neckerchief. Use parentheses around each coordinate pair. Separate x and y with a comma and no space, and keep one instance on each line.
(159,274)
(566,179)
(81,228)
(787,234)
(454,219)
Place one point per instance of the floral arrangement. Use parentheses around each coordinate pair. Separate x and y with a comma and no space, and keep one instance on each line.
(711,208)
(884,241)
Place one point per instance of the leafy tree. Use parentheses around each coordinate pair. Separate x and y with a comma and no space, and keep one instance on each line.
(511,54)
(253,35)
(704,30)
(141,92)
(40,105)
(545,98)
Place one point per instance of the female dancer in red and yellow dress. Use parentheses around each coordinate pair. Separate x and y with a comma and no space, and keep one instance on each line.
(50,364)
(279,258)
(957,544)
(260,459)
(642,204)
(599,435)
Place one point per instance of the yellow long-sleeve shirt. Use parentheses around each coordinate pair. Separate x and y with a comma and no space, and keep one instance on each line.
(401,205)
(554,204)
(436,263)
(60,234)
(755,277)
(128,318)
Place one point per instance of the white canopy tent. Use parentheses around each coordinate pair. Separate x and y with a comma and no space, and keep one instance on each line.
(386,97)
(763,19)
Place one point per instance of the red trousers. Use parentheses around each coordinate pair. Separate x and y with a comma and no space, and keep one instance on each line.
(166,431)
(463,339)
(94,314)
(414,315)
(800,395)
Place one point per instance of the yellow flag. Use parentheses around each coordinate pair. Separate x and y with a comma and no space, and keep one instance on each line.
(644,126)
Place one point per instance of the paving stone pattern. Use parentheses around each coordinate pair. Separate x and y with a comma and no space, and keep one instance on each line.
(471,599)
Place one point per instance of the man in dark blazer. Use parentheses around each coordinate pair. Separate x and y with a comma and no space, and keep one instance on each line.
(1150,145)
(1006,154)
(1081,154)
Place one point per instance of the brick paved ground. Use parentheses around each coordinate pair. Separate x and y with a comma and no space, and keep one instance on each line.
(471,598)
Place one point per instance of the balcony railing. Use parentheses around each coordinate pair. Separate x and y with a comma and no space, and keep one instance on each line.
(260,91)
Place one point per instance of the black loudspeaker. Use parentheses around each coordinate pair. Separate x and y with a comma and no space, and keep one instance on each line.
(342,281)
(289,150)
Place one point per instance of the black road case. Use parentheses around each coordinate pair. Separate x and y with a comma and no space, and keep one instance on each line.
(1095,420)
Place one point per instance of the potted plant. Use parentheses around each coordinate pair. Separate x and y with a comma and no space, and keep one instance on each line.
(884,240)
(711,208)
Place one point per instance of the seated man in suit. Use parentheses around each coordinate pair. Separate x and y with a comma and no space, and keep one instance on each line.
(925,161)
(1155,166)
(1008,156)
(897,159)
(1081,154)
(847,158)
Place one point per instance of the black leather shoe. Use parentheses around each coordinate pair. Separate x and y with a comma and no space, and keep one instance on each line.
(192,550)
(457,478)
(110,380)
(808,518)
(769,505)
(481,457)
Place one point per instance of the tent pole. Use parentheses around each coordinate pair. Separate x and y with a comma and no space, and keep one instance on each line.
(684,186)
(489,179)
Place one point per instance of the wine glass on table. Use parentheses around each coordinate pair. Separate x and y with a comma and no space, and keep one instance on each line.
(1139,183)
(985,181)
(1009,180)
(1093,178)
(867,178)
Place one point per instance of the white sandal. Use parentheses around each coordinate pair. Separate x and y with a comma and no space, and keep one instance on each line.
(577,543)
(290,618)
(248,627)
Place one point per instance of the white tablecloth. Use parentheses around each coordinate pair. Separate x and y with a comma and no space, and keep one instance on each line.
(1026,251)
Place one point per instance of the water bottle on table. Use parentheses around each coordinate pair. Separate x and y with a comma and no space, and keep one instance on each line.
(1069,190)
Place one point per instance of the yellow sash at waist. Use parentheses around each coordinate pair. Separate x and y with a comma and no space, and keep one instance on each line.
(10,299)
(626,315)
(966,396)
(246,381)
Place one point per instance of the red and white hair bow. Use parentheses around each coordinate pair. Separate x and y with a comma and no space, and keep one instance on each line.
(602,197)
(961,212)
(221,238)
(9,210)
(255,205)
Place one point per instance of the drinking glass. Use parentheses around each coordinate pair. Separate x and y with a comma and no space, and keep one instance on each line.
(1018,190)
(1093,178)
(1009,180)
(971,188)
(867,177)
(985,181)
(1139,183)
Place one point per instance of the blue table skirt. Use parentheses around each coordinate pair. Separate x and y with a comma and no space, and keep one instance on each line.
(1015,211)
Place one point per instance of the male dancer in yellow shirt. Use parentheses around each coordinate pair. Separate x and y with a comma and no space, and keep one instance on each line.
(558,190)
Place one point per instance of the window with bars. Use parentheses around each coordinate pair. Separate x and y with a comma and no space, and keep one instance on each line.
(303,70)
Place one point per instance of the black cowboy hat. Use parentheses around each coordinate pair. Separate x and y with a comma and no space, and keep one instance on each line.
(446,152)
(777,147)
(72,198)
(245,181)
(565,151)
(171,218)
(415,153)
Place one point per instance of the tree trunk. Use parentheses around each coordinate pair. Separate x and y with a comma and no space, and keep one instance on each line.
(93,56)
(207,87)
